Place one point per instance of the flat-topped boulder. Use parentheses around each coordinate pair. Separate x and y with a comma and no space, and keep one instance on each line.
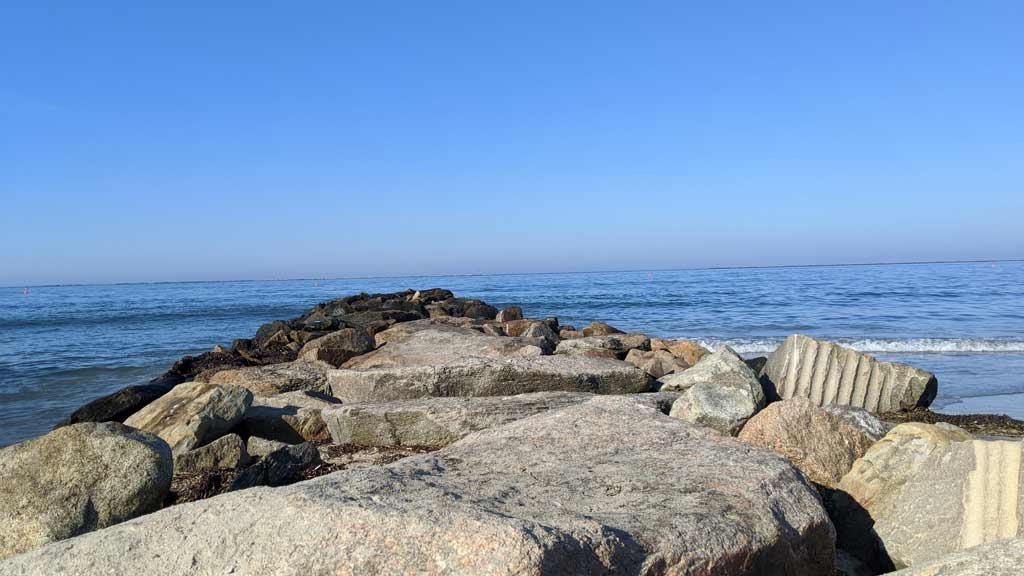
(926,491)
(606,486)
(437,422)
(193,414)
(276,378)
(827,373)
(484,376)
(607,346)
(823,442)
(428,342)
(1001,558)
(76,479)
(291,417)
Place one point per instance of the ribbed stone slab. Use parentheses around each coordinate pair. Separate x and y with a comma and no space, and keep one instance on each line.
(827,373)
(930,491)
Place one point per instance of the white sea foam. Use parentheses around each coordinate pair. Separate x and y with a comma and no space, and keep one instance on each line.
(881,345)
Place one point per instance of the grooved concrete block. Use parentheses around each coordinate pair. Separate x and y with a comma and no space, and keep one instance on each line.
(926,491)
(828,373)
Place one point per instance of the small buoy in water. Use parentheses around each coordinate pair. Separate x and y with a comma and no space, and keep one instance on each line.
(25,292)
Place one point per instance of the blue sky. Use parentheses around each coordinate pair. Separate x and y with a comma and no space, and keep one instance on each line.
(226,140)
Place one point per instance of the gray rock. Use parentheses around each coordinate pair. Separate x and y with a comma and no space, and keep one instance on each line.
(603,487)
(656,363)
(437,422)
(226,452)
(426,342)
(510,313)
(1001,558)
(828,373)
(482,376)
(279,468)
(259,447)
(720,392)
(76,479)
(338,347)
(609,346)
(275,379)
(541,331)
(193,414)
(822,442)
(926,491)
(291,417)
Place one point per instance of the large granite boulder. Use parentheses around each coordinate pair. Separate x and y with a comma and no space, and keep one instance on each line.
(608,346)
(437,422)
(486,376)
(193,414)
(828,373)
(291,417)
(605,487)
(924,491)
(999,558)
(720,392)
(276,378)
(823,442)
(118,406)
(224,453)
(433,343)
(338,347)
(76,479)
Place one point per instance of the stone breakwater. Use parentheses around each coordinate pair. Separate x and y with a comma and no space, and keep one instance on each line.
(418,432)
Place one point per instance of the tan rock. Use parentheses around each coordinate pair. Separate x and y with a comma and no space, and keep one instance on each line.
(193,414)
(276,378)
(687,350)
(600,329)
(656,363)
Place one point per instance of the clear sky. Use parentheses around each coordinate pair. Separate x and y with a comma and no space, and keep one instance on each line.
(226,140)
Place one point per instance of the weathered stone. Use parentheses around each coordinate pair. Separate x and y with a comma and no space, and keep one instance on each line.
(486,376)
(720,392)
(925,491)
(1001,558)
(510,313)
(429,343)
(494,330)
(76,479)
(687,350)
(292,417)
(193,414)
(226,452)
(279,468)
(657,363)
(822,442)
(259,447)
(276,378)
(544,335)
(606,487)
(118,406)
(338,347)
(570,334)
(437,422)
(828,373)
(600,329)
(610,346)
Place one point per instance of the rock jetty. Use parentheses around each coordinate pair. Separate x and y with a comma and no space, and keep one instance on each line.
(419,432)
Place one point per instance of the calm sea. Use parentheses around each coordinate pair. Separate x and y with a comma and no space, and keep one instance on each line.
(62,346)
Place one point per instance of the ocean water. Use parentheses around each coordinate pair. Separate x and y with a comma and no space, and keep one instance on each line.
(61,346)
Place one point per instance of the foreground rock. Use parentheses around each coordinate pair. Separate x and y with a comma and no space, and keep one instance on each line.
(292,417)
(76,479)
(193,414)
(1002,558)
(224,453)
(828,373)
(118,406)
(276,378)
(720,392)
(822,442)
(925,491)
(476,376)
(438,422)
(604,487)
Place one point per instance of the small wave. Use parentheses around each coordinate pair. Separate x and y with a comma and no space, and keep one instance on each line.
(880,345)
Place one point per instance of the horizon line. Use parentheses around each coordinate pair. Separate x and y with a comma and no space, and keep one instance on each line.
(399,276)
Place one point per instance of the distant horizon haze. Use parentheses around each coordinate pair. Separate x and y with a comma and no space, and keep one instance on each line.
(142,142)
